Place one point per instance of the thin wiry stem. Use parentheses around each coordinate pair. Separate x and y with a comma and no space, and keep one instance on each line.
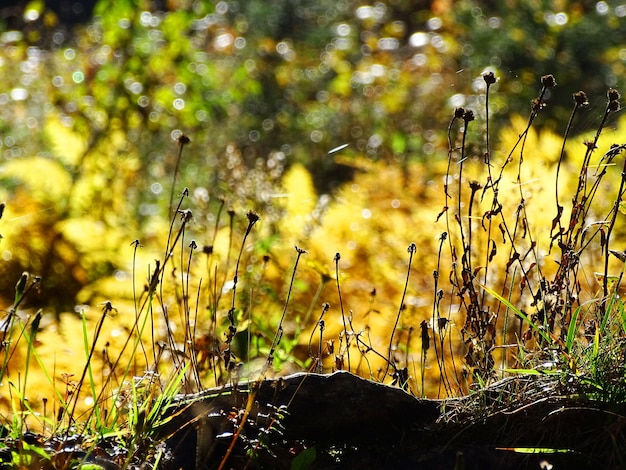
(232,327)
(489,79)
(412,249)
(320,323)
(618,201)
(136,245)
(578,202)
(106,310)
(437,296)
(279,331)
(182,141)
(580,100)
(343,316)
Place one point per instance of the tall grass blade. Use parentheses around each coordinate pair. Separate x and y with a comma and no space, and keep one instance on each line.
(518,312)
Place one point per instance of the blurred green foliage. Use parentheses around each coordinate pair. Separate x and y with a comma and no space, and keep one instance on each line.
(581,42)
(257,85)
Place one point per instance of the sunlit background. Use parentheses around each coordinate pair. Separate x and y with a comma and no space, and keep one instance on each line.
(329,119)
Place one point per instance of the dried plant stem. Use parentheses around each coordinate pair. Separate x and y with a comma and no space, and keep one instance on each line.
(106,310)
(343,315)
(320,323)
(611,226)
(580,100)
(182,141)
(279,331)
(437,296)
(243,421)
(411,250)
(232,327)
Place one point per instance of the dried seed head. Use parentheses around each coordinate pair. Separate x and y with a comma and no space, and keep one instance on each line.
(590,144)
(548,81)
(458,113)
(489,78)
(537,105)
(613,106)
(183,139)
(475,185)
(613,94)
(252,217)
(107,307)
(21,285)
(468,115)
(580,97)
(185,215)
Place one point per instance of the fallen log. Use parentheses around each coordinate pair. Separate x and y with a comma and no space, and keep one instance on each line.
(353,422)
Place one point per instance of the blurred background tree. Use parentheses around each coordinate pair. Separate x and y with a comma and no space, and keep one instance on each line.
(258,85)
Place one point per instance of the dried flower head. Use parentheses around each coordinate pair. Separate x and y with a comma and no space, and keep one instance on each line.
(548,81)
(458,113)
(185,215)
(475,186)
(183,139)
(580,97)
(613,94)
(590,145)
(252,217)
(468,115)
(489,78)
(613,106)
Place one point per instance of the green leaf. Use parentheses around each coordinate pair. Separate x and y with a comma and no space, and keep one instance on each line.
(571,330)
(304,459)
(530,371)
(35,450)
(536,450)
(20,288)
(518,312)
(398,142)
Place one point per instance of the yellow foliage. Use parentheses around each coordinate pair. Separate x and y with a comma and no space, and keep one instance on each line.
(67,145)
(370,222)
(42,179)
(300,200)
